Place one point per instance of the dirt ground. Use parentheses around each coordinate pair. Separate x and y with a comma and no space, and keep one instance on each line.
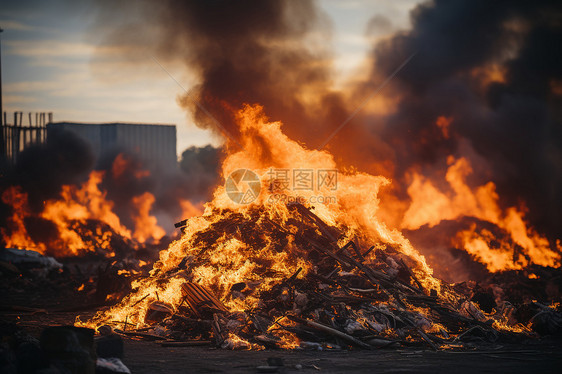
(141,357)
(148,357)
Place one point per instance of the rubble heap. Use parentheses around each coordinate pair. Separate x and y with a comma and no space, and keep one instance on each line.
(267,265)
(336,295)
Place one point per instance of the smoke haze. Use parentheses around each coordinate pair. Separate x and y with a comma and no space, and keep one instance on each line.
(491,70)
(488,66)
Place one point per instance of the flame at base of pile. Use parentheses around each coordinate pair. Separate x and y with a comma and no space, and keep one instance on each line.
(276,274)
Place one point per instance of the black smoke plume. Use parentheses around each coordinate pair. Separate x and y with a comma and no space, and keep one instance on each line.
(514,123)
(272,53)
(275,53)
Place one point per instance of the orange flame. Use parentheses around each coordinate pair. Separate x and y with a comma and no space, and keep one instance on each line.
(430,206)
(190,210)
(146,226)
(80,204)
(443,123)
(17,236)
(229,260)
(87,202)
(217,258)
(74,205)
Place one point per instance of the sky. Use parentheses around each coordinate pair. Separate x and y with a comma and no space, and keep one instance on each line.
(48,64)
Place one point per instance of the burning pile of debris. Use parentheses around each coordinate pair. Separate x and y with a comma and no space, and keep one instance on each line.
(276,274)
(337,297)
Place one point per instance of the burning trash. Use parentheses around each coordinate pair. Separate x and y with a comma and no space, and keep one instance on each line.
(272,269)
(81,221)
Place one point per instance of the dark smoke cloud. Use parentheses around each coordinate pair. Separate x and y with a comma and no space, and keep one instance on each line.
(273,53)
(42,169)
(201,167)
(255,51)
(515,125)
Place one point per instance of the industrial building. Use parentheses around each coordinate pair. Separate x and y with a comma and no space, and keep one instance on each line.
(156,144)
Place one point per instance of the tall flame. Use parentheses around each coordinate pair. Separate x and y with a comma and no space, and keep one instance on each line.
(146,226)
(218,259)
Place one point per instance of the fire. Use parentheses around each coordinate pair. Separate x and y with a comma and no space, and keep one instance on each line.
(15,235)
(218,253)
(431,205)
(253,239)
(86,202)
(146,226)
(75,205)
(443,123)
(190,210)
(122,164)
(82,217)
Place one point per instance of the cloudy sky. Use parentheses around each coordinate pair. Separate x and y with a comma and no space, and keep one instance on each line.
(53,60)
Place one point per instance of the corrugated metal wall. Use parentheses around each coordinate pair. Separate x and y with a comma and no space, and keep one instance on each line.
(156,144)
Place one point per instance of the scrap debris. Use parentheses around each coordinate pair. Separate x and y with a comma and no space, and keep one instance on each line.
(347,297)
